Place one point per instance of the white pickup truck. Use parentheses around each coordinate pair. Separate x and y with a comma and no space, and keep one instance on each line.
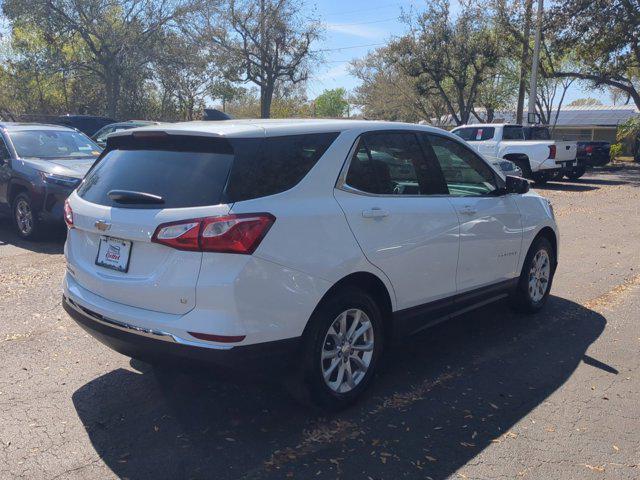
(540,160)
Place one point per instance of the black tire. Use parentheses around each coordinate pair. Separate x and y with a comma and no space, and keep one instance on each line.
(524,165)
(576,173)
(313,388)
(25,218)
(522,299)
(540,179)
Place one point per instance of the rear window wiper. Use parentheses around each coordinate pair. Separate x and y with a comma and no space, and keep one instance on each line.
(130,197)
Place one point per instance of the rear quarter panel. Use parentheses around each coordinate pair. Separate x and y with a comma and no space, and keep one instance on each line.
(311,234)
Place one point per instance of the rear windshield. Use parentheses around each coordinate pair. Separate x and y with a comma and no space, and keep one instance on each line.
(191,171)
(537,133)
(512,133)
(475,134)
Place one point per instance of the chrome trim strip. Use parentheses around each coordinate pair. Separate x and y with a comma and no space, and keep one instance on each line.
(144,332)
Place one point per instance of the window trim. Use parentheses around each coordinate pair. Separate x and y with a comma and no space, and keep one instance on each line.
(429,157)
(341,182)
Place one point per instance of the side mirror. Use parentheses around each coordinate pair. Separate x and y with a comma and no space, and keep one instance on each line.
(516,185)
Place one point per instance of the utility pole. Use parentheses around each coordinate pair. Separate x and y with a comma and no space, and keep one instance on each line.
(524,60)
(534,66)
(262,61)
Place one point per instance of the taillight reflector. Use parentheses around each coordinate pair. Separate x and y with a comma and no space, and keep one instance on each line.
(218,338)
(240,233)
(68,214)
(552,151)
(589,149)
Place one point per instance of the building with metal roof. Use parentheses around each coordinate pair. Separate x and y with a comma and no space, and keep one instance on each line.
(583,123)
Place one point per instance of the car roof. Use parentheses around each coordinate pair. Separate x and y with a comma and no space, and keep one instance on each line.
(130,123)
(487,125)
(273,127)
(19,126)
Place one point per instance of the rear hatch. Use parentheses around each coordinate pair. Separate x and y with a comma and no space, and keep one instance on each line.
(138,184)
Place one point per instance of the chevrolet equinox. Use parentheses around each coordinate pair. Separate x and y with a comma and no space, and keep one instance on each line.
(315,241)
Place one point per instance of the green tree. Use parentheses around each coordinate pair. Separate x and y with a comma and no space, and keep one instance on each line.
(584,102)
(386,92)
(452,56)
(226,92)
(605,36)
(185,77)
(265,42)
(112,41)
(332,103)
(630,131)
(497,91)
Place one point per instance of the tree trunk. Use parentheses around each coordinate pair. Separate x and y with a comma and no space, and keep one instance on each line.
(490,114)
(266,96)
(112,91)
(524,60)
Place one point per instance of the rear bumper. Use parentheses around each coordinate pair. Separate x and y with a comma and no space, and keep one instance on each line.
(158,346)
(595,160)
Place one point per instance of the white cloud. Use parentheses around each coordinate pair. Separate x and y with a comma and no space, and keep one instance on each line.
(362,31)
(334,72)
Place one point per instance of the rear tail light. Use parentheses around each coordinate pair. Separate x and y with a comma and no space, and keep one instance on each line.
(240,233)
(552,151)
(68,214)
(589,149)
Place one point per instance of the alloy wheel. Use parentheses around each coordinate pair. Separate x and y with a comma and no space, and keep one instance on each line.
(347,350)
(539,275)
(24,217)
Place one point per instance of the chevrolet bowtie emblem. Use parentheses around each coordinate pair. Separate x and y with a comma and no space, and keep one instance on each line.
(102,225)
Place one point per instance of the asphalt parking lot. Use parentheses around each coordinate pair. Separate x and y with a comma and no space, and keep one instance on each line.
(491,394)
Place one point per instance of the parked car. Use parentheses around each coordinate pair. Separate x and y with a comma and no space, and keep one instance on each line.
(594,154)
(539,160)
(39,167)
(507,167)
(87,124)
(311,243)
(100,137)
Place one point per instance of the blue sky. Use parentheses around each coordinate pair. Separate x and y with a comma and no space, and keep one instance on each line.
(355,27)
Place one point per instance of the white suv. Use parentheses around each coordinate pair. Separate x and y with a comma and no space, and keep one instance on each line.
(315,242)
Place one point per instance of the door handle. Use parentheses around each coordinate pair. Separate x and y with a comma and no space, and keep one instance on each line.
(375,212)
(468,211)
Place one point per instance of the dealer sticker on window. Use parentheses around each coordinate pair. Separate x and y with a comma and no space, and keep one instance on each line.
(114,253)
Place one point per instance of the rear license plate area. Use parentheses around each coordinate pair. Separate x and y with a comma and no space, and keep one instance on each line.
(114,253)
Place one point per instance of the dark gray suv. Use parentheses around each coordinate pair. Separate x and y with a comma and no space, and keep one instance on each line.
(40,165)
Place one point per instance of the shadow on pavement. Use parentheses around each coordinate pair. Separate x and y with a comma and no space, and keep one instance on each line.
(565,187)
(51,241)
(440,398)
